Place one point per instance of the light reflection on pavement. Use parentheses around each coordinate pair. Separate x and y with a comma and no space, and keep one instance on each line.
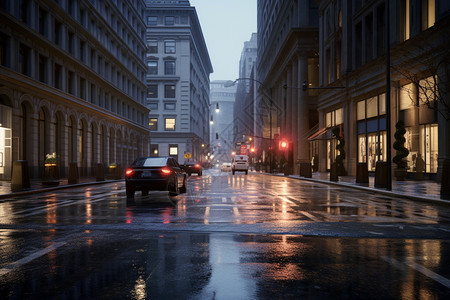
(228,237)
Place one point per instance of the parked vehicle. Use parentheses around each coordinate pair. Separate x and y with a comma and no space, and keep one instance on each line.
(239,164)
(226,167)
(192,167)
(155,173)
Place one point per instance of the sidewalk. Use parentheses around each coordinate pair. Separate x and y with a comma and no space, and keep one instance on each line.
(423,190)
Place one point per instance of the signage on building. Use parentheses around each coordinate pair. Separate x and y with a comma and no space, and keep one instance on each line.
(243,149)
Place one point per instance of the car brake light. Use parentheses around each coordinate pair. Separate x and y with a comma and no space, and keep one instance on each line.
(197,165)
(128,172)
(166,171)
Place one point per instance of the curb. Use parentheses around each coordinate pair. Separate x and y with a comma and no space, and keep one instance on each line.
(375,190)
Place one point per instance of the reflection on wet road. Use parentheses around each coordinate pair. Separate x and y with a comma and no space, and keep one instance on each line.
(228,237)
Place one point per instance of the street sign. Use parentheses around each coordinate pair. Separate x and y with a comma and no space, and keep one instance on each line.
(187,155)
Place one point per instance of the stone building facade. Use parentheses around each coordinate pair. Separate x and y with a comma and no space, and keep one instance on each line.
(72,82)
(178,80)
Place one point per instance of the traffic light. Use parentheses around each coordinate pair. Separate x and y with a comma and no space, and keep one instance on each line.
(284,145)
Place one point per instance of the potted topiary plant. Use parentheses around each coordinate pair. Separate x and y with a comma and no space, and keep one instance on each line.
(401,152)
(340,147)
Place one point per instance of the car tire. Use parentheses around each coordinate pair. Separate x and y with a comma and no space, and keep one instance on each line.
(200,174)
(233,172)
(175,191)
(246,172)
(189,174)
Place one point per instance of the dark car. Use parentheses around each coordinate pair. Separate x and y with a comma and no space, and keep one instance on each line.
(192,167)
(156,174)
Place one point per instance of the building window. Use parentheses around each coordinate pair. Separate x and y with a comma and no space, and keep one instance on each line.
(405,18)
(152,20)
(153,105)
(43,69)
(371,128)
(173,150)
(169,20)
(152,91)
(170,47)
(428,13)
(169,91)
(153,46)
(169,124)
(154,150)
(407,98)
(169,67)
(24,59)
(153,124)
(152,67)
(169,106)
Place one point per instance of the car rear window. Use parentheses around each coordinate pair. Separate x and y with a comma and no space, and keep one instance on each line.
(150,162)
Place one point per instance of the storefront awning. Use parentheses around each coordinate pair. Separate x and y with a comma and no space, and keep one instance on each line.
(317,134)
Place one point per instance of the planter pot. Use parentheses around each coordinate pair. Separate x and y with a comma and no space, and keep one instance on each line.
(51,175)
(400,174)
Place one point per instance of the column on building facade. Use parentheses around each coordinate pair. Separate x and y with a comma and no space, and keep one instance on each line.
(295,133)
(288,130)
(303,111)
(350,137)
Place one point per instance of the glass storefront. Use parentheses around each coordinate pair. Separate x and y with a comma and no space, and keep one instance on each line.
(5,142)
(371,118)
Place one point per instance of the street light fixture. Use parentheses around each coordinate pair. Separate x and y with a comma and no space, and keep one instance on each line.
(211,121)
(217,108)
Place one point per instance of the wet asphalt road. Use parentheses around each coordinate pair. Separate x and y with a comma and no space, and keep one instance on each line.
(228,237)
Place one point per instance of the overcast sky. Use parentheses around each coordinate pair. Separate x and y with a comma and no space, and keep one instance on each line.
(226,25)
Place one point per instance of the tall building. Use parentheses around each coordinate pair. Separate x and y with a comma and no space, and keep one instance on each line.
(288,46)
(72,82)
(330,59)
(178,80)
(244,105)
(222,105)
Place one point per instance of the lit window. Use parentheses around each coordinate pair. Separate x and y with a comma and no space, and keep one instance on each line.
(173,150)
(169,124)
(153,124)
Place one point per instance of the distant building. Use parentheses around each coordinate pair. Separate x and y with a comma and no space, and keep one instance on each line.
(72,79)
(177,79)
(244,105)
(222,105)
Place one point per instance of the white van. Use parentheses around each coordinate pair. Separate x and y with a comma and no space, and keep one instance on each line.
(239,164)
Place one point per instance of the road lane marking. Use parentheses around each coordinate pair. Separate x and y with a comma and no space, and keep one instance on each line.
(419,268)
(17,264)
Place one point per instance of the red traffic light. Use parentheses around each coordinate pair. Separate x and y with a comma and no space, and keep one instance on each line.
(284,145)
